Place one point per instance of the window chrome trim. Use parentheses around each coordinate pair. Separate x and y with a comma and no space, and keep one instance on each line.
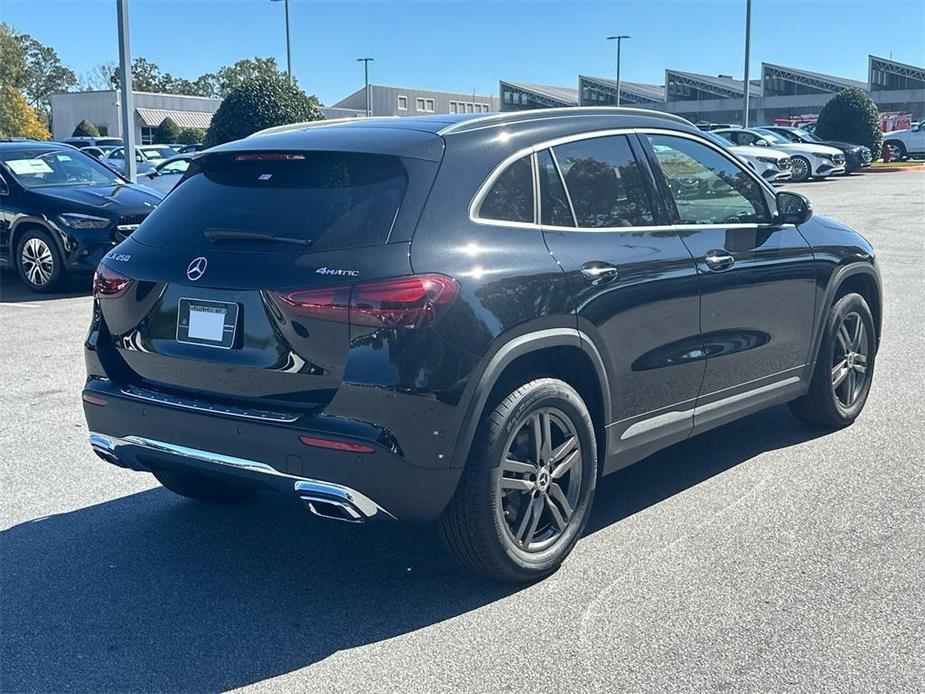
(500,168)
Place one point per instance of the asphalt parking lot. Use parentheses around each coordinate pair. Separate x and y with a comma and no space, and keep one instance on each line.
(763,556)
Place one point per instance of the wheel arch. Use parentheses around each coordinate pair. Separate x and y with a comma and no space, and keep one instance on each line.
(861,278)
(563,353)
(24,224)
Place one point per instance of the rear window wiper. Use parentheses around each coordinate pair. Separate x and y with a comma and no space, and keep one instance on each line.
(223,234)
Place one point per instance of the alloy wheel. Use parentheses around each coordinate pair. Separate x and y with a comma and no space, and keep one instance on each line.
(539,481)
(38,263)
(799,169)
(849,361)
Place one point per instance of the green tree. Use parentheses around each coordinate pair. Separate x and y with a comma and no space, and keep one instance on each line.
(167,132)
(18,118)
(32,68)
(230,77)
(85,129)
(190,136)
(851,116)
(259,103)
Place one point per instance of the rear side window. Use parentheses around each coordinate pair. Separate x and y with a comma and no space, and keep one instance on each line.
(510,198)
(605,183)
(333,199)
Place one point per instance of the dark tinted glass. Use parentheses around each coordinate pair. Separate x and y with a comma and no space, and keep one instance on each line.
(554,209)
(334,199)
(707,187)
(510,199)
(605,183)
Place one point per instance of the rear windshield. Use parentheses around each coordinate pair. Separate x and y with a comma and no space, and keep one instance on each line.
(332,199)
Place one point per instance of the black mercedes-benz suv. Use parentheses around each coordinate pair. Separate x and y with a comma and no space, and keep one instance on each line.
(467,318)
(61,211)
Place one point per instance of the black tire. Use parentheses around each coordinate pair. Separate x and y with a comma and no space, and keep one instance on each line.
(201,487)
(39,261)
(478,525)
(826,403)
(798,174)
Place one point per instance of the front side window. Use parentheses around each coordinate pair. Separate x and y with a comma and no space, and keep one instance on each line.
(510,198)
(605,183)
(706,186)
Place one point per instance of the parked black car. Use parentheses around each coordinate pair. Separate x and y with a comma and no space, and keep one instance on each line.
(468,318)
(857,157)
(61,211)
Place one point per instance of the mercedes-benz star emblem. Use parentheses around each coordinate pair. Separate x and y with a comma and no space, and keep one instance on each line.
(197,268)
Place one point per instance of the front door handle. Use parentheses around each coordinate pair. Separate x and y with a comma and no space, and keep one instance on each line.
(719,260)
(596,272)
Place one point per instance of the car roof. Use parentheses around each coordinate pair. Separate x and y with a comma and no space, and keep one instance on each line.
(34,144)
(423,136)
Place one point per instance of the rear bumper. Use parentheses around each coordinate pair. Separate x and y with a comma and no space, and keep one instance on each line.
(143,435)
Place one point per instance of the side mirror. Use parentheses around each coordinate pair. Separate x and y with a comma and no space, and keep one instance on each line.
(761,143)
(792,208)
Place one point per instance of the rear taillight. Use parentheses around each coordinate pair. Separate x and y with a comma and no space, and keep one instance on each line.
(108,284)
(402,302)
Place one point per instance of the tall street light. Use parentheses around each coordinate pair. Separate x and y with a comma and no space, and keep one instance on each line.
(748,40)
(366,62)
(619,40)
(288,45)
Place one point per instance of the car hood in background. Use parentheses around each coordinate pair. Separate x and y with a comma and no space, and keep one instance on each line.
(114,198)
(808,148)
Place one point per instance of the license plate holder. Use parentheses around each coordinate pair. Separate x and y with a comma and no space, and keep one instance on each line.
(206,322)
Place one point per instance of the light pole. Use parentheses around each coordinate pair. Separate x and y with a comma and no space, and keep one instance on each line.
(288,45)
(619,40)
(748,40)
(366,62)
(126,89)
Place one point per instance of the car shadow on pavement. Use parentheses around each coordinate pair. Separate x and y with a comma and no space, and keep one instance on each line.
(14,291)
(151,592)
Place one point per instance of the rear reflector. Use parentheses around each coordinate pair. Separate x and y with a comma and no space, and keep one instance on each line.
(409,302)
(335,445)
(94,400)
(108,283)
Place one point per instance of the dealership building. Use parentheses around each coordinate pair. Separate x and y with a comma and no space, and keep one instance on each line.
(780,92)
(406,101)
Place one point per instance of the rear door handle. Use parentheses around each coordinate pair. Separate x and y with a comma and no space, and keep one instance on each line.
(719,260)
(596,272)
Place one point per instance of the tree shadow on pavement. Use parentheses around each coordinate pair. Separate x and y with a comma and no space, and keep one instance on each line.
(150,592)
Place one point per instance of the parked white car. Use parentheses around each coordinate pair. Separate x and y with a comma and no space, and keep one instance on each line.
(771,164)
(146,157)
(167,174)
(906,143)
(806,160)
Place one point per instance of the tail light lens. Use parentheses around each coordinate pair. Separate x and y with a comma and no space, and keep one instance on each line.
(108,284)
(403,302)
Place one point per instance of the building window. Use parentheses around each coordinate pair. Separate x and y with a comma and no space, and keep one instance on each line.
(508,97)
(429,105)
(147,135)
(103,130)
(402,103)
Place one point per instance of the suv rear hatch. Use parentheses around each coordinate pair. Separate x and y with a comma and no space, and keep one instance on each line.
(237,288)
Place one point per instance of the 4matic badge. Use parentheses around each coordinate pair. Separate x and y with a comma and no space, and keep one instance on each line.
(337,272)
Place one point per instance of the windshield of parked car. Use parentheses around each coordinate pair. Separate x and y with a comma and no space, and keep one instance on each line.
(806,136)
(158,152)
(38,168)
(772,136)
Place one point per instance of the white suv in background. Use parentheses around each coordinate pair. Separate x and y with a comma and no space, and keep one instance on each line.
(906,143)
(772,165)
(806,160)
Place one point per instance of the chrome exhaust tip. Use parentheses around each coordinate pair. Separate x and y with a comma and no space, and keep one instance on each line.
(333,510)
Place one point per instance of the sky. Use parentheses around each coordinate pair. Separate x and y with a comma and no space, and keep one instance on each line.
(457,45)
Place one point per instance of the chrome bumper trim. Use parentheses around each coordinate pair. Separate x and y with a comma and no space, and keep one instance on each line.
(203,406)
(356,504)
